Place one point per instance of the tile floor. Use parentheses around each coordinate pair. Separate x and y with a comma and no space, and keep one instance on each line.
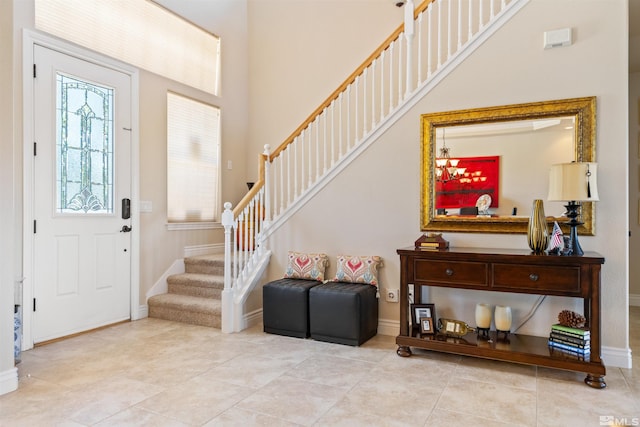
(159,373)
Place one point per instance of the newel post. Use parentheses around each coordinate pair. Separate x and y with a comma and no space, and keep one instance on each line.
(267,185)
(409,31)
(227,292)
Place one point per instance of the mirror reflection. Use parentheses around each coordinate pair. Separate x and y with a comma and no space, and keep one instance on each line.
(483,168)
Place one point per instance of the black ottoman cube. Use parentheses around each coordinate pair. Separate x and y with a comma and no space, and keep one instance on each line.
(285,307)
(343,313)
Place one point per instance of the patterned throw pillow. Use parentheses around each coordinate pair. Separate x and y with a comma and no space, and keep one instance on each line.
(358,269)
(306,266)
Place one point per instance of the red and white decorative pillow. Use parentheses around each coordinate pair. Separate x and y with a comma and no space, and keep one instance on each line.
(306,266)
(358,269)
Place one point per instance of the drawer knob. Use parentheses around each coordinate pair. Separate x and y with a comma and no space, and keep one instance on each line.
(449,272)
(533,277)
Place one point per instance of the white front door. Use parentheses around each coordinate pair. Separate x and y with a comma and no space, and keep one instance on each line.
(82,174)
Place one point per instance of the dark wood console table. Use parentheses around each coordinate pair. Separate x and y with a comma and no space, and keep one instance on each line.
(505,270)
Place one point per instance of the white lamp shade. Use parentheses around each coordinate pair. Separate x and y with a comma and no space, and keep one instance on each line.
(574,182)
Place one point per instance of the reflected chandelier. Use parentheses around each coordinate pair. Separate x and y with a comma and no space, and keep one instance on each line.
(447,168)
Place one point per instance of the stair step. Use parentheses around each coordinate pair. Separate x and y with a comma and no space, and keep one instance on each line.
(196,284)
(205,264)
(186,309)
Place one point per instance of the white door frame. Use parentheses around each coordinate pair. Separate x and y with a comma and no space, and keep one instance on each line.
(29,39)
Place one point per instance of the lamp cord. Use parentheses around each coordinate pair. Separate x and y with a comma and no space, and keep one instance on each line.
(529,315)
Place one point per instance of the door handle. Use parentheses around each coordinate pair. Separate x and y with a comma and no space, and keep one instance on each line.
(125,229)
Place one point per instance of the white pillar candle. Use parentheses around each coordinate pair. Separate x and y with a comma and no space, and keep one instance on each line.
(503,318)
(483,316)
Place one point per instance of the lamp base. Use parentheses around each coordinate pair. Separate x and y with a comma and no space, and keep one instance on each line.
(572,213)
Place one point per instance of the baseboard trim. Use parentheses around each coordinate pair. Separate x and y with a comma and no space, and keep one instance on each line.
(196,250)
(388,327)
(8,381)
(616,357)
(143,311)
(634,300)
(252,319)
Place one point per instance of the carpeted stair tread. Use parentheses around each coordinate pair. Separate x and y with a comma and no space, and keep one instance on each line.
(194,296)
(186,309)
(205,264)
(197,279)
(196,284)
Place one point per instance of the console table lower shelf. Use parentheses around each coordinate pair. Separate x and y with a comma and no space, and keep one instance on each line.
(516,348)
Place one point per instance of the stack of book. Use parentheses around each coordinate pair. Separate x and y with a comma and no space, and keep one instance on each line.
(573,341)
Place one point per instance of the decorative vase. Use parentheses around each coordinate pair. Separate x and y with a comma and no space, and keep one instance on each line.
(537,231)
(502,317)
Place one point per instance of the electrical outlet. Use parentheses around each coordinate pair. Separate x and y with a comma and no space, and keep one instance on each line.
(412,294)
(392,295)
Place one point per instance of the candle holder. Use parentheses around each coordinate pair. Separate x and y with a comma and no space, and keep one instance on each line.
(502,318)
(483,320)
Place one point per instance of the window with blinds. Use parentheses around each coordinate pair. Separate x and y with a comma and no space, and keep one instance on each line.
(193,160)
(140,33)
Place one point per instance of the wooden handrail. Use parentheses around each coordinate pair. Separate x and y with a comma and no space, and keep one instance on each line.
(336,93)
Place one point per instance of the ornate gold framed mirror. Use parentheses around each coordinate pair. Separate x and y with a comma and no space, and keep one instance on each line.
(482,168)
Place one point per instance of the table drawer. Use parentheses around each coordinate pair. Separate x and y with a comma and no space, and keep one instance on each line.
(459,273)
(536,279)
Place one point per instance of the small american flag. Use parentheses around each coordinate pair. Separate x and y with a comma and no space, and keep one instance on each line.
(556,237)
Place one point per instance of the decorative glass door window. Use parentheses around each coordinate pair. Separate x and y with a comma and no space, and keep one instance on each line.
(84,147)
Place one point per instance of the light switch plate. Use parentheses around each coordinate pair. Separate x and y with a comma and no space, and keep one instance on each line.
(146,206)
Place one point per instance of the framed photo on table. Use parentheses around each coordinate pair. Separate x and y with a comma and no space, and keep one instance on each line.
(422,311)
(426,325)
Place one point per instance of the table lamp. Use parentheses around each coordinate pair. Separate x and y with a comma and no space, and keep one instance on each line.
(572,183)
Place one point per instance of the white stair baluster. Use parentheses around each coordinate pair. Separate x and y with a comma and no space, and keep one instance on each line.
(324,139)
(281,167)
(382,62)
(333,131)
(470,12)
(449,30)
(400,74)
(355,128)
(459,24)
(348,117)
(340,101)
(317,120)
(288,150)
(391,97)
(373,93)
(295,168)
(429,43)
(364,101)
(420,17)
(303,161)
(310,156)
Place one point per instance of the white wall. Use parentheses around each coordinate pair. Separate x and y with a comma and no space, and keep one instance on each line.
(634,186)
(373,207)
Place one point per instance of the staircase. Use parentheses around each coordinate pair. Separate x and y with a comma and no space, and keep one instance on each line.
(193,296)
(435,38)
